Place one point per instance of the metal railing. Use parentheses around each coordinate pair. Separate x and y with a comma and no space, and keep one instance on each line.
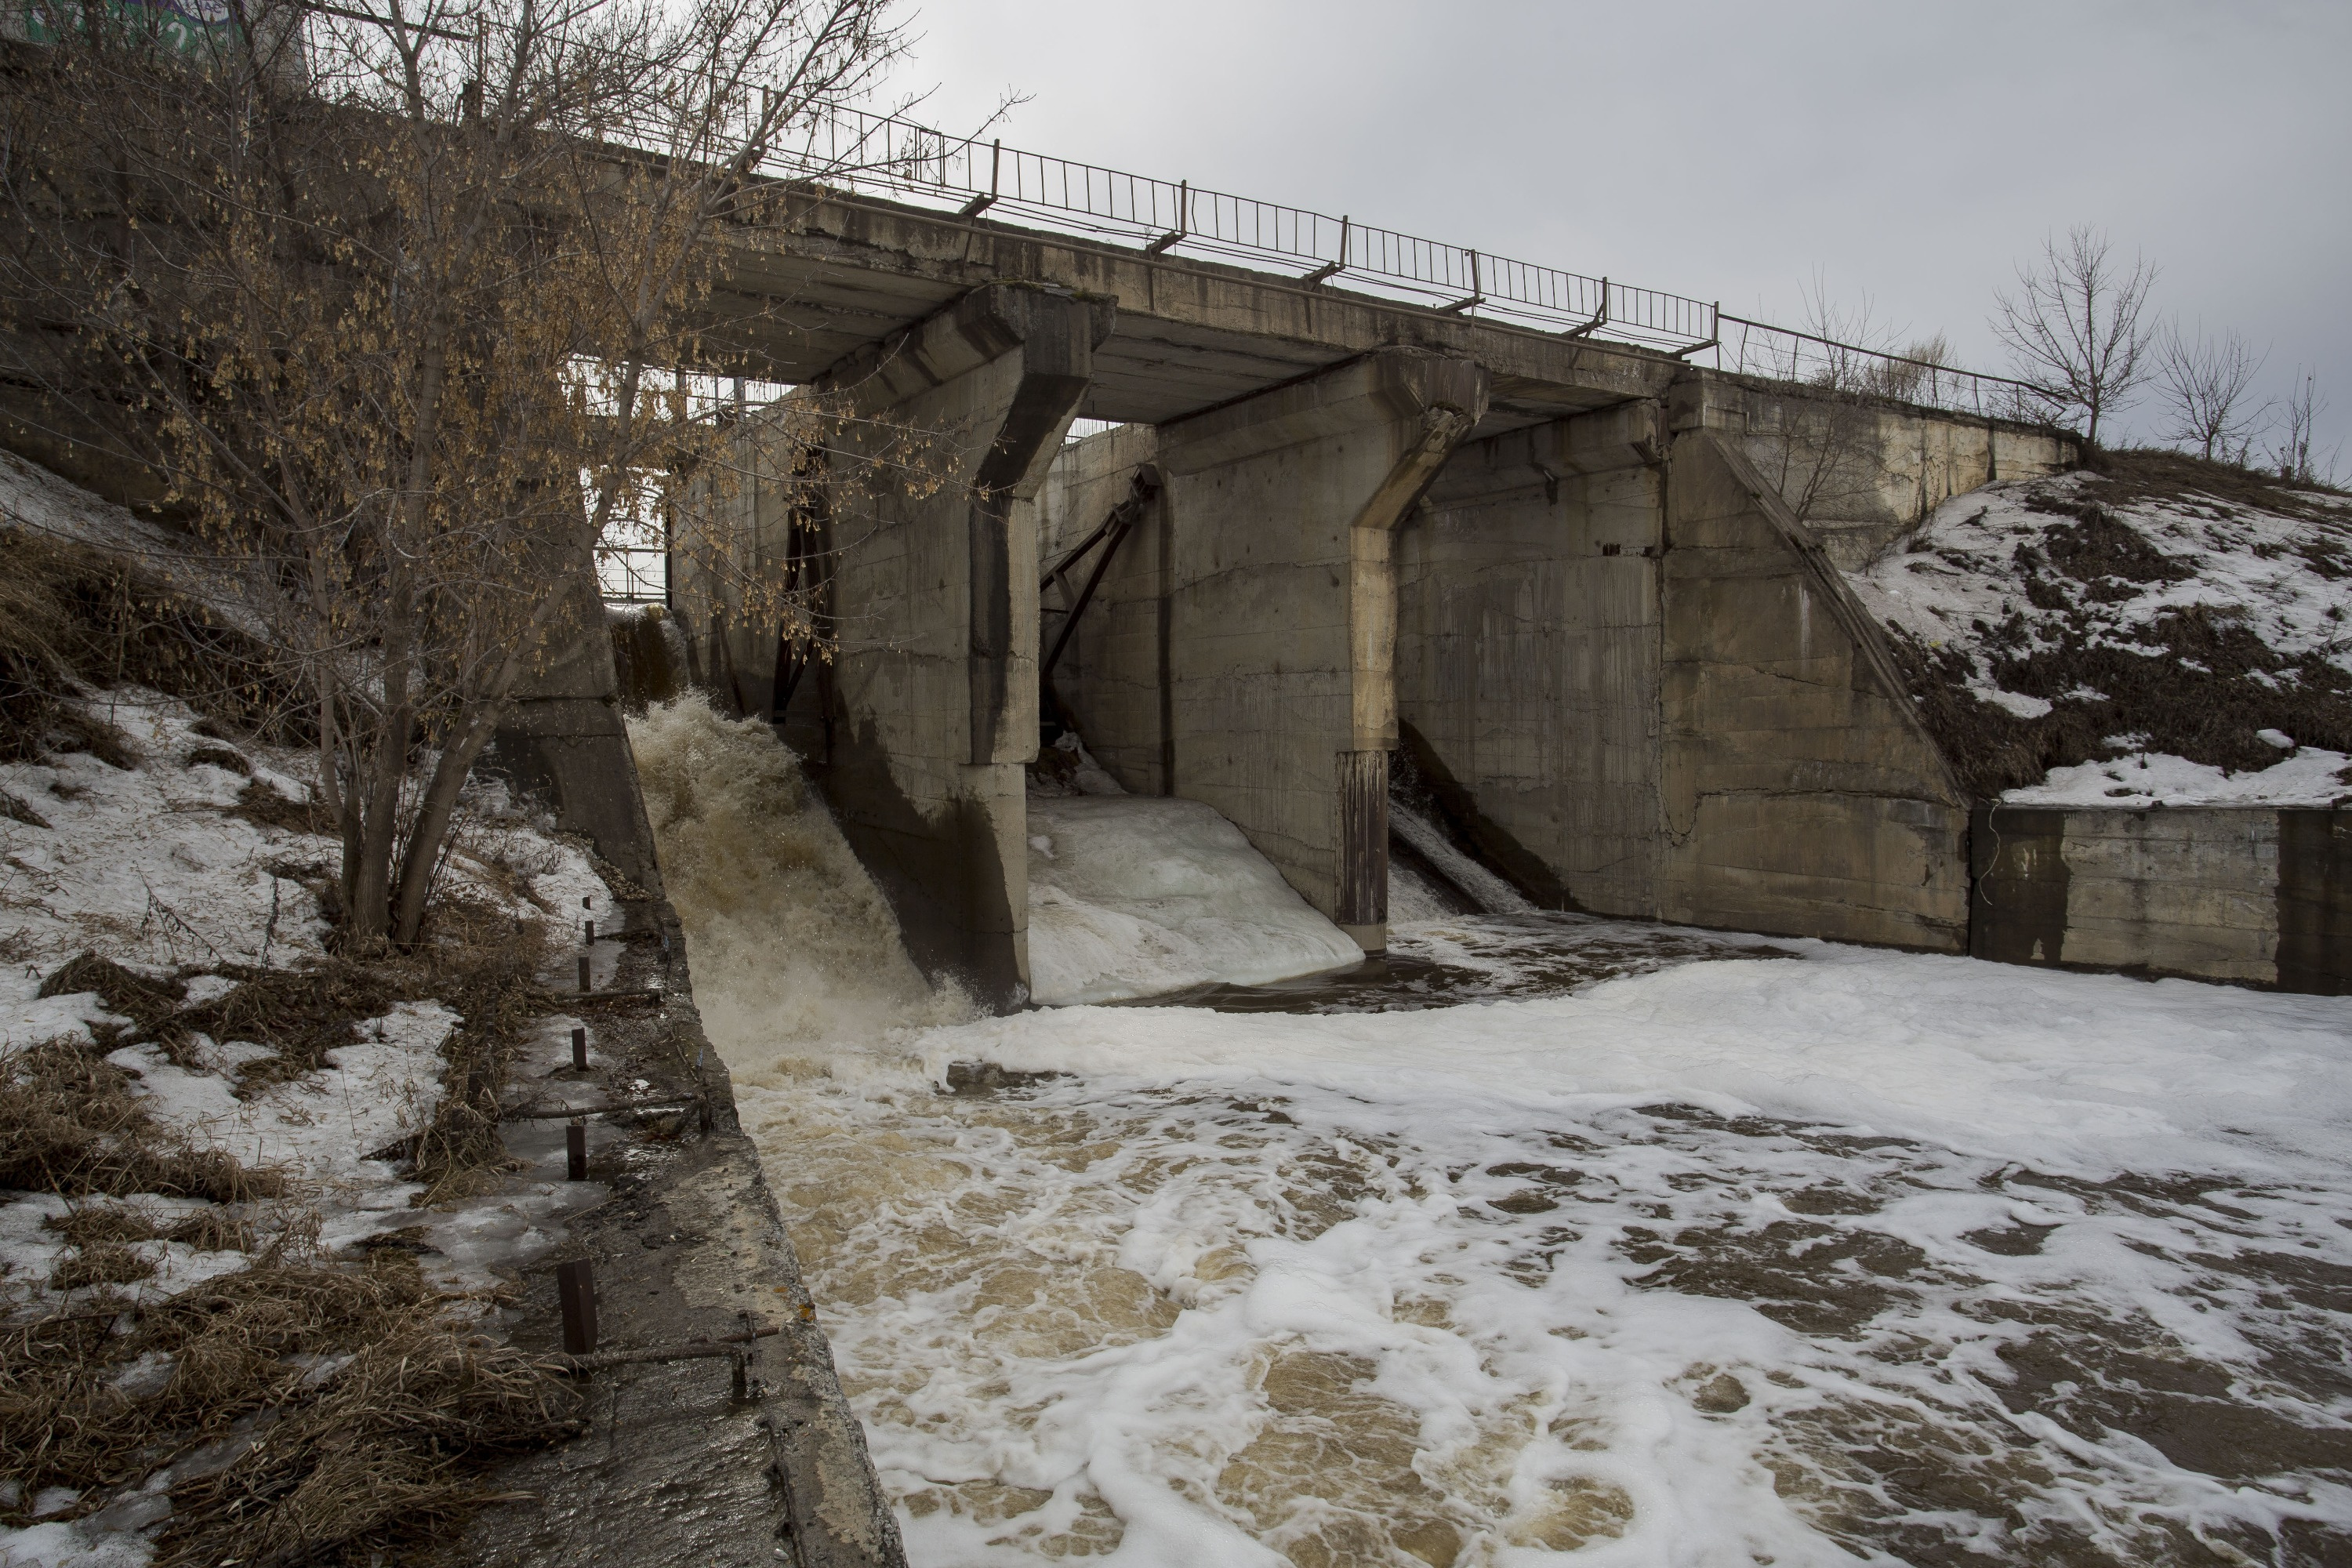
(852,149)
(887,155)
(632,573)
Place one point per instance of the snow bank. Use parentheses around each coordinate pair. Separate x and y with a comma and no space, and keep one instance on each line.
(2085,617)
(1134,896)
(2310,777)
(148,864)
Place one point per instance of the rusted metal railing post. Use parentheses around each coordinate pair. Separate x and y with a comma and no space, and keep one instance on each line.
(575,1292)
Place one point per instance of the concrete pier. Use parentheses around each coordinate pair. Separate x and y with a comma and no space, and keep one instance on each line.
(927,713)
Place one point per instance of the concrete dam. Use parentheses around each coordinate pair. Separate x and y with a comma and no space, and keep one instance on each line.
(1556,583)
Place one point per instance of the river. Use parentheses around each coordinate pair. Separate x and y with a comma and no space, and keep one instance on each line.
(1551,1235)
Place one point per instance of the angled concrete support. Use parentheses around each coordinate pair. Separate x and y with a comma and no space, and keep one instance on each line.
(934,693)
(1281,516)
(1799,791)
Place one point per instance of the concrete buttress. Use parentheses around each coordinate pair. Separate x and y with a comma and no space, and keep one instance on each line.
(1801,793)
(1281,512)
(933,693)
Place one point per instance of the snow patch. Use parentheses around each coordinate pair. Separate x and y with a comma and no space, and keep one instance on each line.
(2310,777)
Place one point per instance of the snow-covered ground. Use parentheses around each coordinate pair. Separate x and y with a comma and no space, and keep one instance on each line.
(153,867)
(2224,615)
(2311,776)
(1801,1253)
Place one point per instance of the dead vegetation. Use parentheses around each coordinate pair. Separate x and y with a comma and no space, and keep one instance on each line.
(264,807)
(300,1015)
(71,616)
(69,1124)
(496,995)
(345,1412)
(2195,682)
(310,1410)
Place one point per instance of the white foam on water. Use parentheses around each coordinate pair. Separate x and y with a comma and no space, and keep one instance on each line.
(1139,895)
(1864,1257)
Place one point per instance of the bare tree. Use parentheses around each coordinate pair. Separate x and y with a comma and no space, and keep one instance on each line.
(2204,383)
(394,301)
(2077,327)
(2292,455)
(1820,448)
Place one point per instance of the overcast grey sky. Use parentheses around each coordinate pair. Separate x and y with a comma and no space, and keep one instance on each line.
(1912,154)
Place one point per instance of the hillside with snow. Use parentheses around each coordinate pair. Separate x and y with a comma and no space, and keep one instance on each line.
(2163,631)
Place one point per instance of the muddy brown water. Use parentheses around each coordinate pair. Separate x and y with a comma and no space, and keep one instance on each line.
(1979,1418)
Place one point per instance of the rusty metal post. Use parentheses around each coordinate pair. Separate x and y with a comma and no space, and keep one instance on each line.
(576,1290)
(584,971)
(575,1151)
(579,1048)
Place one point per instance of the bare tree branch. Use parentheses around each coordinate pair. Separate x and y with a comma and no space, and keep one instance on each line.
(2075,327)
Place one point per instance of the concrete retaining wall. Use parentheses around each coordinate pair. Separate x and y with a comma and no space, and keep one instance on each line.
(1861,471)
(1637,684)
(2255,894)
(1802,794)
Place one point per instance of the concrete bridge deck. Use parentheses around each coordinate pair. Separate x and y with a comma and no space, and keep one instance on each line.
(810,278)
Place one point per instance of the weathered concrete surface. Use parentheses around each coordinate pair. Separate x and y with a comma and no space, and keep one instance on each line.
(1244,655)
(562,735)
(677,1467)
(1801,794)
(1862,471)
(2254,894)
(930,707)
(1528,654)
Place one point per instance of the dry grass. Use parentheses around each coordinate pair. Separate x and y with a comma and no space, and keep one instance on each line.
(265,807)
(496,993)
(146,1002)
(71,615)
(70,1125)
(376,1413)
(390,1452)
(299,1014)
